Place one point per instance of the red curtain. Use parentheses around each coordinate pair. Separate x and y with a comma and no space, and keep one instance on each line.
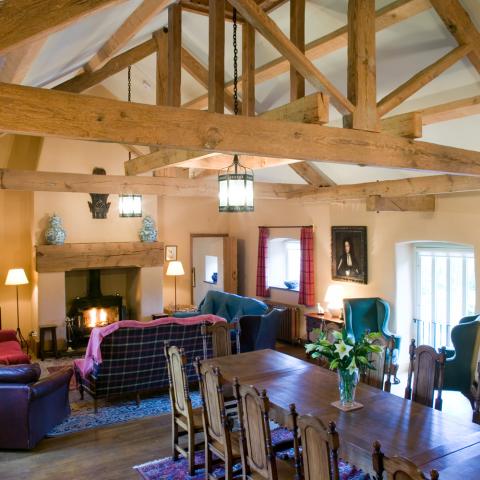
(306,295)
(262,287)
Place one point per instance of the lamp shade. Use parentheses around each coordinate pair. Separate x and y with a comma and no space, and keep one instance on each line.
(175,269)
(16,276)
(334,297)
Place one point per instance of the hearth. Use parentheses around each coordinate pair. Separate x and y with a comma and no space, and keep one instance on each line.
(94,310)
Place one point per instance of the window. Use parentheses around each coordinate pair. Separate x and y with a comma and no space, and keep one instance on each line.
(283,263)
(130,205)
(444,292)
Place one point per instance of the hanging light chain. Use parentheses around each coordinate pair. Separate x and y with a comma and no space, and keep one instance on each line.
(129,95)
(235,64)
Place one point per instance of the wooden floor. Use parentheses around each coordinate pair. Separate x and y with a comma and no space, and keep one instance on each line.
(111,452)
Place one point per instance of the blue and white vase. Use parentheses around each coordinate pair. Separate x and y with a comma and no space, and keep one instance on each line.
(55,233)
(148,233)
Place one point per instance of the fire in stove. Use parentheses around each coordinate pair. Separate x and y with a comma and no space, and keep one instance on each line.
(99,317)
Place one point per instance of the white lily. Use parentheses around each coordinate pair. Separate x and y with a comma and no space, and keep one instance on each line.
(352,367)
(342,349)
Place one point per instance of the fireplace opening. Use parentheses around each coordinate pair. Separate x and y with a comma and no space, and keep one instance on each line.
(94,309)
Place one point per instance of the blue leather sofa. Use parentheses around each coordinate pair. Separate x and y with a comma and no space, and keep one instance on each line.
(226,305)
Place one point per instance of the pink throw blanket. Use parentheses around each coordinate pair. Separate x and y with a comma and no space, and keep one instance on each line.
(94,354)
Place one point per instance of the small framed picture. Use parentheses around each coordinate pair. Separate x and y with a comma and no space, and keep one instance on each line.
(170,252)
(349,254)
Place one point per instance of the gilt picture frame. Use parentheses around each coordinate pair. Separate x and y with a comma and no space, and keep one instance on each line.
(349,254)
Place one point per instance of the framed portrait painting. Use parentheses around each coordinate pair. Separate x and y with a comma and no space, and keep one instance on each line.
(349,254)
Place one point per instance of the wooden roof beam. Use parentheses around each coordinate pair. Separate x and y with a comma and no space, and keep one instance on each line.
(311,175)
(41,112)
(376,203)
(427,185)
(411,86)
(385,17)
(310,109)
(27,21)
(16,63)
(460,26)
(129,28)
(86,80)
(35,181)
(268,28)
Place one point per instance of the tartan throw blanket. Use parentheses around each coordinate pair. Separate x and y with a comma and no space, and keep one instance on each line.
(133,358)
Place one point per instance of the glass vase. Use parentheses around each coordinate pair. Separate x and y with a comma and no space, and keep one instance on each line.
(347,383)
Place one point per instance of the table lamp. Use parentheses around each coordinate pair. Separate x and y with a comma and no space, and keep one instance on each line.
(334,300)
(175,269)
(17,276)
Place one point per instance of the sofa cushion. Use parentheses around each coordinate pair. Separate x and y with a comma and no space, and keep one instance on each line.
(22,374)
(11,353)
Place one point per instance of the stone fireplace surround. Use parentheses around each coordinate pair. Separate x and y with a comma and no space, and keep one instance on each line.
(52,261)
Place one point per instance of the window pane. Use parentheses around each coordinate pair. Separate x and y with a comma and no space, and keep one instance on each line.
(426,289)
(470,286)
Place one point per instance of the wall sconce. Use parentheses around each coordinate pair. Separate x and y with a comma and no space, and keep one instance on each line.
(99,205)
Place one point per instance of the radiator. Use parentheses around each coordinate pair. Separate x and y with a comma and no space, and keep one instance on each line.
(289,330)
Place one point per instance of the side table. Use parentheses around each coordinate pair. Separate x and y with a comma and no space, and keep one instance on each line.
(53,333)
(156,316)
(319,320)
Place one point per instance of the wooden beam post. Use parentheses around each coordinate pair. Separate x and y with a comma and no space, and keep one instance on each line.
(407,125)
(267,27)
(376,203)
(362,77)
(248,70)
(161,87)
(297,36)
(216,56)
(41,112)
(174,72)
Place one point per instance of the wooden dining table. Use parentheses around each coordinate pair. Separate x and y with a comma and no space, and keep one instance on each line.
(428,437)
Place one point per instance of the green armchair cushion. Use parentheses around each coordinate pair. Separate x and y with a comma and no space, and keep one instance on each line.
(371,314)
(461,363)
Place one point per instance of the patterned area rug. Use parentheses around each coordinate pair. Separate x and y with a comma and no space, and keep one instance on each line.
(83,416)
(167,469)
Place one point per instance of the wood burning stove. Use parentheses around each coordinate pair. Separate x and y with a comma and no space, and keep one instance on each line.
(94,310)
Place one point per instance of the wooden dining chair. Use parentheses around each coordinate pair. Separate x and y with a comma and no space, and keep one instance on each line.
(185,419)
(217,426)
(381,364)
(427,370)
(259,461)
(397,468)
(319,449)
(219,334)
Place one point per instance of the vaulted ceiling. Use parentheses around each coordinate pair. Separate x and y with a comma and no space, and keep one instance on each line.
(402,50)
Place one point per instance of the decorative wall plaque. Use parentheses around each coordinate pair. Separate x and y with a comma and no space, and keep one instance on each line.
(99,205)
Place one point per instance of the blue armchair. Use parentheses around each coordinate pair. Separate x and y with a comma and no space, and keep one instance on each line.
(227,305)
(371,314)
(461,363)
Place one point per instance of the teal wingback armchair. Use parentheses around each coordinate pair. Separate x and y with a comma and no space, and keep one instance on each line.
(371,314)
(461,363)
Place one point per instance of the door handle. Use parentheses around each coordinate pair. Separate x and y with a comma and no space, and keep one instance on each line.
(193,278)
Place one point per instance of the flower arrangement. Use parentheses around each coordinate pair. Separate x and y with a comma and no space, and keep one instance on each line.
(347,357)
(344,353)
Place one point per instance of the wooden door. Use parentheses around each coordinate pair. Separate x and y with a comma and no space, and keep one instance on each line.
(230,273)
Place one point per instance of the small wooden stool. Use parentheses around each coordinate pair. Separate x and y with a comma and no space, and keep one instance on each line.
(53,333)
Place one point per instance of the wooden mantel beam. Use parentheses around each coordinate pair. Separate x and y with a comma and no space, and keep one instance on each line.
(25,21)
(36,111)
(428,185)
(385,17)
(269,29)
(34,181)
